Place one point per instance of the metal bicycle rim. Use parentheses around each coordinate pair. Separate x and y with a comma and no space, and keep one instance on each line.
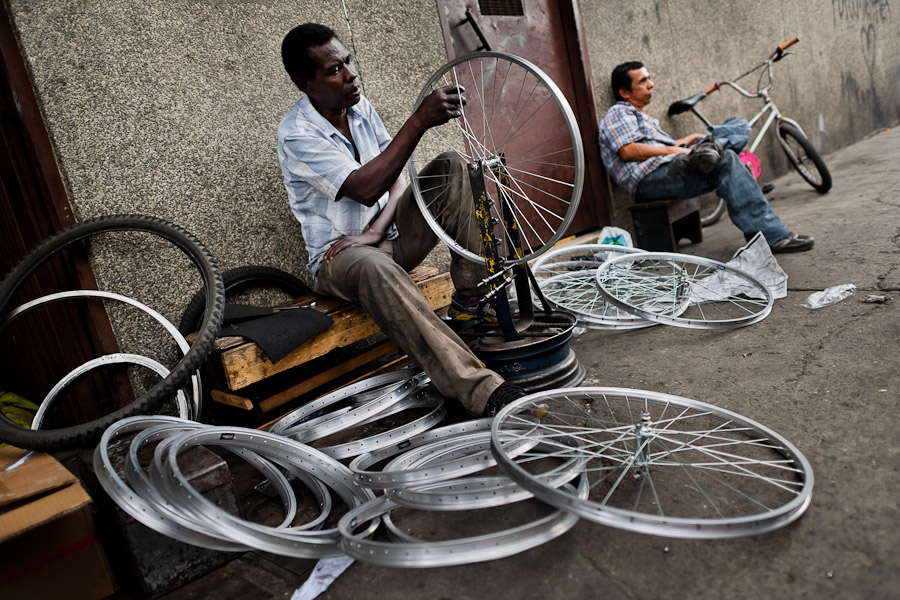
(684,290)
(467,493)
(166,475)
(305,424)
(366,477)
(664,465)
(446,553)
(567,278)
(441,460)
(184,408)
(509,103)
(169,523)
(167,325)
(395,435)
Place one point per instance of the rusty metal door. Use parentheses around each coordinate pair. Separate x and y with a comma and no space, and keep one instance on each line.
(548,34)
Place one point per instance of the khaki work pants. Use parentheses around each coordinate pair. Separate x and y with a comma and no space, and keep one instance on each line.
(377,277)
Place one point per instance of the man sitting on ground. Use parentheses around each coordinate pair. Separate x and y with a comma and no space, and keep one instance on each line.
(649,165)
(363,230)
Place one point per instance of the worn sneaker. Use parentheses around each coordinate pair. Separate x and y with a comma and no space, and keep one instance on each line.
(704,156)
(465,308)
(505,394)
(793,242)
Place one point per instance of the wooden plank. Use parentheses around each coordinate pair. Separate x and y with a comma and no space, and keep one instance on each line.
(246,364)
(311,383)
(424,277)
(231,399)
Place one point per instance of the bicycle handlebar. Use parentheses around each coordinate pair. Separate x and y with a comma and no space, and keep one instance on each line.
(779,51)
(776,56)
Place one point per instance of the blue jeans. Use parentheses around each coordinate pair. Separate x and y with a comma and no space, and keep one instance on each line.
(731,180)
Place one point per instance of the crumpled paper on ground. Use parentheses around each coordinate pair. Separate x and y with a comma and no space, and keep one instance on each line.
(323,575)
(829,296)
(756,259)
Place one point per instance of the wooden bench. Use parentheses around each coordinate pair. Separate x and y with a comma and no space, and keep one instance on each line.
(659,225)
(241,366)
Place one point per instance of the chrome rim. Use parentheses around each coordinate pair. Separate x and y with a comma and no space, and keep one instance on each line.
(660,464)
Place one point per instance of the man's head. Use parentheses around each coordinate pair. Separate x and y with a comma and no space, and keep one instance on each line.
(319,64)
(631,82)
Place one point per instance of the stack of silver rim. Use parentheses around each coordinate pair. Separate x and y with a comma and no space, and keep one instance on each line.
(620,457)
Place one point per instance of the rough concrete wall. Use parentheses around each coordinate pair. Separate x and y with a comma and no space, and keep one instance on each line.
(842,84)
(171,108)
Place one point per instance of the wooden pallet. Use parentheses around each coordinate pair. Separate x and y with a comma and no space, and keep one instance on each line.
(242,365)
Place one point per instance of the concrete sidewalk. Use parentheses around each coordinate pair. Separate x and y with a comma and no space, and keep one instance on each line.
(826,379)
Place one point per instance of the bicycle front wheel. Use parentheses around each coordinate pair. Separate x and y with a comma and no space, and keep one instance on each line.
(657,464)
(804,157)
(516,124)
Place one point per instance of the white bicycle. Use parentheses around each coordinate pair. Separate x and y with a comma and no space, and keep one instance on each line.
(799,150)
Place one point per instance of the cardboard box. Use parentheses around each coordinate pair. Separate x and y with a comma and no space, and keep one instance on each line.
(48,545)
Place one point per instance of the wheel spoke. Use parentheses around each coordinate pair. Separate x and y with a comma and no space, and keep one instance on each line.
(515,116)
(657,463)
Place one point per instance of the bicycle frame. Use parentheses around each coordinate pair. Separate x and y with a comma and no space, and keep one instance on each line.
(769,110)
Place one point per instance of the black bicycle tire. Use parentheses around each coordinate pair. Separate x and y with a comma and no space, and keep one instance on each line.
(811,153)
(85,434)
(240,278)
(714,216)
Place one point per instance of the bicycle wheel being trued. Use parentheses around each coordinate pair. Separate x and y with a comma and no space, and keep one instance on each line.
(657,464)
(804,157)
(516,123)
(684,290)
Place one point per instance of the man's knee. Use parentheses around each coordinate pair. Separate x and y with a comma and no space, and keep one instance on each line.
(729,160)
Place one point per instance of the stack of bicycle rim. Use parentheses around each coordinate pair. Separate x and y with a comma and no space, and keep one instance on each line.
(618,287)
(416,496)
(20,281)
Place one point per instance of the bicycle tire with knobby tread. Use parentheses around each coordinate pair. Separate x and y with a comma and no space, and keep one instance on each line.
(786,129)
(237,279)
(86,434)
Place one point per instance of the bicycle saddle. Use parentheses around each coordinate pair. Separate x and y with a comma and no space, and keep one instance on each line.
(680,106)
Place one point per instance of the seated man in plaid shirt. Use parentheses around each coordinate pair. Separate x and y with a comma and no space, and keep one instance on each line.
(649,165)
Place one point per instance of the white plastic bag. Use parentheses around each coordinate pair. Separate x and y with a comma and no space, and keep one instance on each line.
(829,296)
(615,236)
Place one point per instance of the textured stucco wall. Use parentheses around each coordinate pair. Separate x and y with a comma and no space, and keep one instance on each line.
(170,109)
(842,83)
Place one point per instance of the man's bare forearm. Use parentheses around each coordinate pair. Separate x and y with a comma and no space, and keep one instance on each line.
(369,183)
(638,152)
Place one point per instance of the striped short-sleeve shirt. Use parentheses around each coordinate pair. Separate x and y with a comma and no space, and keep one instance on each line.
(315,161)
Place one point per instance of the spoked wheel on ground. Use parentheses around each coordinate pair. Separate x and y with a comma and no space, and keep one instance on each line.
(567,278)
(517,133)
(657,464)
(804,157)
(684,290)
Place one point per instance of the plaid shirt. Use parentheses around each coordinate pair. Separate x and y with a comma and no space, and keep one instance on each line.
(623,125)
(315,160)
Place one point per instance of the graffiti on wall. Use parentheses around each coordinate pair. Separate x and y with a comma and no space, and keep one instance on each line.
(853,12)
(862,18)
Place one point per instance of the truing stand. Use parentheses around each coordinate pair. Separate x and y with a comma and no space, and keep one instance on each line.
(498,270)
